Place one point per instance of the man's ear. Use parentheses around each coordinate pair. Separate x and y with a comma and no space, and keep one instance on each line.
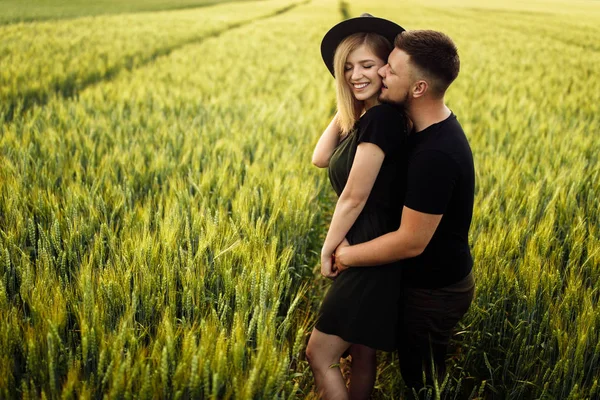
(419,88)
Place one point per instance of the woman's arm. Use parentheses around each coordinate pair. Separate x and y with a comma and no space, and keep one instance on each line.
(365,168)
(326,144)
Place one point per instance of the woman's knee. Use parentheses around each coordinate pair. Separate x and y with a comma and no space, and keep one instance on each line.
(310,353)
(314,352)
(324,350)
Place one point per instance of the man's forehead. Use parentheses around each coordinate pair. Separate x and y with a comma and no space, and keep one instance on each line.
(398,55)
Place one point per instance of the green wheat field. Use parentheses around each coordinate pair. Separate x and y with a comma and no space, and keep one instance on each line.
(160,220)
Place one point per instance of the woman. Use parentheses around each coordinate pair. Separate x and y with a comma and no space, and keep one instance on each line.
(363,148)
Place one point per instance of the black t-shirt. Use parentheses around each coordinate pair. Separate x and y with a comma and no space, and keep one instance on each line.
(441,180)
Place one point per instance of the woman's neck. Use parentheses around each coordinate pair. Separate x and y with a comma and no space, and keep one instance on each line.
(373,101)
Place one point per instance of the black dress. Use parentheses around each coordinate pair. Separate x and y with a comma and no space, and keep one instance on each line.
(361,305)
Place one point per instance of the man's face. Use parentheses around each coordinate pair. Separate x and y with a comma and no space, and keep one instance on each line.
(396,76)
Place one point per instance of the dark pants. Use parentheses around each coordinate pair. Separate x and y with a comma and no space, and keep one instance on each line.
(427,319)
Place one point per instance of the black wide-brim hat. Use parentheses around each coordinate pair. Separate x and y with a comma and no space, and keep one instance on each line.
(364,23)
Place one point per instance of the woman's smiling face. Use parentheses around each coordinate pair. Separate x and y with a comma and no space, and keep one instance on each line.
(361,75)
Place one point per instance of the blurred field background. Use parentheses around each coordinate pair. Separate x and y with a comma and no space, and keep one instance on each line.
(160,220)
(37,10)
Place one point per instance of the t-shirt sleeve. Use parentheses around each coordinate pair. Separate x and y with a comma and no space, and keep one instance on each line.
(432,176)
(383,126)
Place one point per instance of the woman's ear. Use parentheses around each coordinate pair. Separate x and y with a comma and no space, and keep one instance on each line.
(419,88)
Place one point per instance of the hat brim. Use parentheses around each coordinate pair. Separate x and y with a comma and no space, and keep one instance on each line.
(339,32)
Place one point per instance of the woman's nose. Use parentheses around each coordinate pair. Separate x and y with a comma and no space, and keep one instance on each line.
(356,73)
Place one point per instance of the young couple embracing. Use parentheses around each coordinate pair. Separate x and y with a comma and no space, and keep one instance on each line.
(397,247)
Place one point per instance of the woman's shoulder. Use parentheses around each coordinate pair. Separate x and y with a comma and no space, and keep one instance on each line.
(384,125)
(385,110)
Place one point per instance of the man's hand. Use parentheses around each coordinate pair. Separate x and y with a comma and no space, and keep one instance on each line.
(338,256)
(327,268)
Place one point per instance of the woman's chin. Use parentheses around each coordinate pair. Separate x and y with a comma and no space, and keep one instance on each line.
(372,95)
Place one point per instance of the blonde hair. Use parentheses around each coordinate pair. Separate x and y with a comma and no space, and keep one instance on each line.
(349,108)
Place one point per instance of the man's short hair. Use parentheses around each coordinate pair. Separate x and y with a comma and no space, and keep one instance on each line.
(434,54)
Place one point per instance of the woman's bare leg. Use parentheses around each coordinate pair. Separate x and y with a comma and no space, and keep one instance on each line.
(322,352)
(362,379)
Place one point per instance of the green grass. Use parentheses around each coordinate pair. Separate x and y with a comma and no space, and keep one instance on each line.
(145,249)
(61,58)
(14,11)
(160,219)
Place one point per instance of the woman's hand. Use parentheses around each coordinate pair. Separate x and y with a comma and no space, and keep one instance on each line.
(327,268)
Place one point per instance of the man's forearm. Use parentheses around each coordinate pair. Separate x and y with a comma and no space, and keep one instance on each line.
(385,249)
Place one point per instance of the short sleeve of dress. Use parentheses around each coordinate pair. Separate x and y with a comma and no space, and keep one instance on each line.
(431,177)
(384,126)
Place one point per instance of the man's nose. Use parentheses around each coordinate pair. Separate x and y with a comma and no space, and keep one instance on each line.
(381,71)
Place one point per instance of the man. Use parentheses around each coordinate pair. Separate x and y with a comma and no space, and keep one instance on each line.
(433,235)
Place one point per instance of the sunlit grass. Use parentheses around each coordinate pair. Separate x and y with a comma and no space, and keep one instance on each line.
(14,11)
(158,223)
(157,230)
(43,59)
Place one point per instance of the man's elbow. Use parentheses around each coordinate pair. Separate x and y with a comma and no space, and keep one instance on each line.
(407,246)
(415,249)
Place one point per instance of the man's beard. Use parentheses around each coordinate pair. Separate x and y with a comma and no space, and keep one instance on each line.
(403,102)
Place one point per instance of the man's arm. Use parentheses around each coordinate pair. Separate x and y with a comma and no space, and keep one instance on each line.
(415,232)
